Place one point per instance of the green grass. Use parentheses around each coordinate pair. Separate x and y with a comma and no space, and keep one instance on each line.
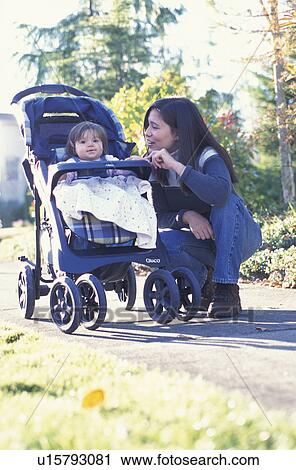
(17,241)
(44,380)
(10,232)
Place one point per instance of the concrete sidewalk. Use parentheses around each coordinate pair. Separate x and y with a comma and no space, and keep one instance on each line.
(255,354)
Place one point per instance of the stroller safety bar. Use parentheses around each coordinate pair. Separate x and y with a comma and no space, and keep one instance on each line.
(140,167)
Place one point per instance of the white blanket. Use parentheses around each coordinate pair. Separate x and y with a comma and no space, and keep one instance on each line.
(116,199)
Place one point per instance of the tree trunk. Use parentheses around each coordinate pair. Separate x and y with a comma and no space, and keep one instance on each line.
(287,174)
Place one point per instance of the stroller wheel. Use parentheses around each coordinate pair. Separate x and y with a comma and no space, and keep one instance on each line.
(65,305)
(26,290)
(94,302)
(128,292)
(161,296)
(189,293)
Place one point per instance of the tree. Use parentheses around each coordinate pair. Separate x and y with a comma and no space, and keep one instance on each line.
(287,173)
(226,125)
(280,27)
(102,47)
(264,134)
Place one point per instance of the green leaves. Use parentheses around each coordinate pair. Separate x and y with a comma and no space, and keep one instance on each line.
(276,260)
(102,47)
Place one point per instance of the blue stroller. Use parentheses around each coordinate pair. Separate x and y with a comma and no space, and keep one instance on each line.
(72,265)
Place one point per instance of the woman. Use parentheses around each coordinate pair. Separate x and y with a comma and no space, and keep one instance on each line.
(194,197)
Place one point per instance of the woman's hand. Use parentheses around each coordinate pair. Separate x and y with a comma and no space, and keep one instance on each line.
(199,225)
(162,159)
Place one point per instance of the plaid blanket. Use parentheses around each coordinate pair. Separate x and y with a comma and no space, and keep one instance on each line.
(98,231)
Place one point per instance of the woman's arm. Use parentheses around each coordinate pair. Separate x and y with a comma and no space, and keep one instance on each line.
(213,186)
(172,220)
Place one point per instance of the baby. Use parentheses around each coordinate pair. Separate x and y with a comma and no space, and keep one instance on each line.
(87,142)
(114,196)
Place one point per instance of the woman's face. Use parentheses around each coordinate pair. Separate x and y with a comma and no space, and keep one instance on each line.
(159,135)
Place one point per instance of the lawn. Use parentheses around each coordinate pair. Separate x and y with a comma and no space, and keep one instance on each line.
(55,395)
(17,241)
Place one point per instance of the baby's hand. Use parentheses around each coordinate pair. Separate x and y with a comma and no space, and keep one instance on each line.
(62,178)
(134,157)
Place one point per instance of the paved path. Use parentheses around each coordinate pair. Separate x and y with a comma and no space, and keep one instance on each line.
(255,355)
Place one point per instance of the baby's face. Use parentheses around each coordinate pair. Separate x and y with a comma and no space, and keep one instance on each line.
(89,147)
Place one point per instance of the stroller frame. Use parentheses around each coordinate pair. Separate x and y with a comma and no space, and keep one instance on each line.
(77,296)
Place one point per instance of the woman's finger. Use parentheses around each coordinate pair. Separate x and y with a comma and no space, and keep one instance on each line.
(207,233)
(202,233)
(152,154)
(210,232)
(157,161)
(196,233)
(207,230)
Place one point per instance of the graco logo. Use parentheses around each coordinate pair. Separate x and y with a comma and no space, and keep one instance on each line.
(154,260)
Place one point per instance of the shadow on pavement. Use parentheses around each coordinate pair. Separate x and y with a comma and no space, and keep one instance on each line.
(268,329)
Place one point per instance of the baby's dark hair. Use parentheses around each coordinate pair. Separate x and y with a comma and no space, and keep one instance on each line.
(77,132)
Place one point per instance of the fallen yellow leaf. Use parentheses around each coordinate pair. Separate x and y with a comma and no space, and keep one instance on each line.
(93,398)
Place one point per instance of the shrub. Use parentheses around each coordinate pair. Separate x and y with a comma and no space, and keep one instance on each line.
(280,232)
(276,260)
(12,210)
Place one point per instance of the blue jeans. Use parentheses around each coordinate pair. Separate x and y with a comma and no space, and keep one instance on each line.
(186,251)
(237,237)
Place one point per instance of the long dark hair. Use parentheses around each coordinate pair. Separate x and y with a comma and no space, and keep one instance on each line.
(184,118)
(78,131)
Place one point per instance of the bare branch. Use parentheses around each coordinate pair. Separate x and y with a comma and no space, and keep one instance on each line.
(236,29)
(265,11)
(243,16)
(251,15)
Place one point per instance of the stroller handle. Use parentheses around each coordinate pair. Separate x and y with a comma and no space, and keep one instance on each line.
(50,88)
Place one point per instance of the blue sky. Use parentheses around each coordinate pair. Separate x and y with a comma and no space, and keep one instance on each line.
(191,35)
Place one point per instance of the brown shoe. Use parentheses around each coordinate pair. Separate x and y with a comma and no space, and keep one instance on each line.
(226,302)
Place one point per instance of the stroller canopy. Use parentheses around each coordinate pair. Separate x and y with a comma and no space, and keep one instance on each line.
(49,120)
